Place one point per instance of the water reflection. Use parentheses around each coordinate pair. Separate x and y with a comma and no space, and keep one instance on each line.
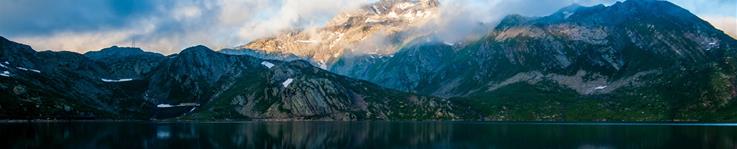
(360,135)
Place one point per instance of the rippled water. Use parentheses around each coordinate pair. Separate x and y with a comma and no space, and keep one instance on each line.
(364,135)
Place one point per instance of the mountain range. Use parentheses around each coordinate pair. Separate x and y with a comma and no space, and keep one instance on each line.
(638,60)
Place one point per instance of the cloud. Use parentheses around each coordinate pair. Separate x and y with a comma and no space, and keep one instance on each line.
(460,19)
(168,26)
(294,14)
(728,24)
(720,13)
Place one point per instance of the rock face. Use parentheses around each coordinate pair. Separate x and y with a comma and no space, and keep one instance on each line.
(379,28)
(60,85)
(231,86)
(639,60)
(214,85)
(126,62)
(649,53)
(404,70)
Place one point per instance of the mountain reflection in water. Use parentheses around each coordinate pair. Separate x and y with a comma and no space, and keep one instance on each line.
(362,135)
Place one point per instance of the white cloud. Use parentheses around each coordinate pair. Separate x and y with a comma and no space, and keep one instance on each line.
(728,24)
(461,18)
(216,24)
(169,26)
(292,14)
(187,12)
(84,41)
(720,13)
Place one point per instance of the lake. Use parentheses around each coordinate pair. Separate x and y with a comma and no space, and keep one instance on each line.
(139,134)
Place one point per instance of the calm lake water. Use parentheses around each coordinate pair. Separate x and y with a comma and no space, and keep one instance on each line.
(364,135)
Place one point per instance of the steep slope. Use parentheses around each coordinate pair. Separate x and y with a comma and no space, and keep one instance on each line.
(648,60)
(406,70)
(59,85)
(230,86)
(197,83)
(378,28)
(125,62)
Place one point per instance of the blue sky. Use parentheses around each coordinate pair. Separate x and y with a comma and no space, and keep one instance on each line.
(168,26)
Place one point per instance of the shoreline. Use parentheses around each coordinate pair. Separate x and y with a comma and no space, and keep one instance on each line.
(592,123)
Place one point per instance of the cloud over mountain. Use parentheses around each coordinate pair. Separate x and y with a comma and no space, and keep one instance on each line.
(169,25)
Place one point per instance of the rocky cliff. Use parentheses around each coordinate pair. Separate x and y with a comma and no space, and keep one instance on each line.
(197,83)
(644,59)
(378,28)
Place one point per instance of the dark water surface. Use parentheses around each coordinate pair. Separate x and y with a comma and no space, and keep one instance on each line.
(364,135)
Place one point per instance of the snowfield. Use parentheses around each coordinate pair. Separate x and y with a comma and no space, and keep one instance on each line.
(267,64)
(179,105)
(118,80)
(287,82)
(5,74)
(26,69)
(448,43)
(164,106)
(308,41)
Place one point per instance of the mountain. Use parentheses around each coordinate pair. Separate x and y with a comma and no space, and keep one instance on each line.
(230,86)
(60,85)
(197,83)
(634,60)
(378,28)
(638,60)
(126,62)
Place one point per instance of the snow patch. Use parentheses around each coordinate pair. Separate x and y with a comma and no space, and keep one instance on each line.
(711,45)
(5,74)
(308,41)
(567,14)
(287,82)
(188,104)
(393,15)
(1,65)
(369,20)
(600,87)
(323,66)
(114,80)
(164,106)
(6,63)
(404,6)
(448,43)
(267,64)
(26,69)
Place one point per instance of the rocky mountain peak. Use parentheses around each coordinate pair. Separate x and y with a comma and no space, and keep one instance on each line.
(118,52)
(14,46)
(197,49)
(377,28)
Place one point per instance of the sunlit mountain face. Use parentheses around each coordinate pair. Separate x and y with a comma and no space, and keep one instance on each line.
(634,60)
